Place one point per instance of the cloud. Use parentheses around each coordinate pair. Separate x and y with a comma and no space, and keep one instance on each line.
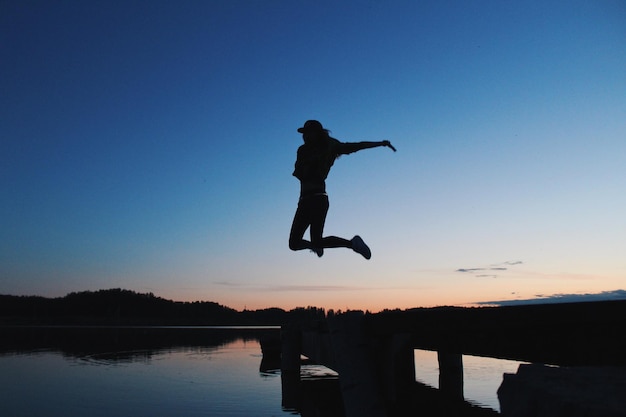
(227,284)
(495,267)
(562,298)
(470,269)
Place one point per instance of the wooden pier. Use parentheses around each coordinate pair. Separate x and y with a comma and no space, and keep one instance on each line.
(374,353)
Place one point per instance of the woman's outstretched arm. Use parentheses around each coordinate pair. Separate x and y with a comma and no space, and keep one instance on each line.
(350,147)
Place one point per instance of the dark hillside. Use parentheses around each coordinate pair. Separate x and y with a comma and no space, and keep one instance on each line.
(124,307)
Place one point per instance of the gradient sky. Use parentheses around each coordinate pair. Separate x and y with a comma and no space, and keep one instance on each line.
(149,145)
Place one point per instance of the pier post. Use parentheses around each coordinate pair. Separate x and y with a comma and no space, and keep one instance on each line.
(395,364)
(291,346)
(353,353)
(451,374)
(290,338)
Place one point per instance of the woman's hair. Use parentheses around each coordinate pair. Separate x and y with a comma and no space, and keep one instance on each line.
(325,138)
(324,141)
(328,148)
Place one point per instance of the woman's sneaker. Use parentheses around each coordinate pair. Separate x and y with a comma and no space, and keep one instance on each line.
(360,247)
(318,251)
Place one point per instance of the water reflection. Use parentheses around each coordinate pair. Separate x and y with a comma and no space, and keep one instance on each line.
(138,372)
(154,371)
(182,371)
(481,376)
(125,342)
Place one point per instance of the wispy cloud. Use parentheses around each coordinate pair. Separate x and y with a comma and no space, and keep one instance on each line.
(562,298)
(494,267)
(512,263)
(227,284)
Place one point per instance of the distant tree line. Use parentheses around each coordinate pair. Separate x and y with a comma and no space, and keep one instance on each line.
(124,307)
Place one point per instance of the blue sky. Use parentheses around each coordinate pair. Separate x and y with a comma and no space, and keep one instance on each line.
(149,145)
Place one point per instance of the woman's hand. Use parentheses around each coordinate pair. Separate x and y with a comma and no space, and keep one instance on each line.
(389,145)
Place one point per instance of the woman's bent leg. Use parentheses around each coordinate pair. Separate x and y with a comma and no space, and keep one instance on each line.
(336,242)
(312,213)
(298,227)
(318,206)
(317,228)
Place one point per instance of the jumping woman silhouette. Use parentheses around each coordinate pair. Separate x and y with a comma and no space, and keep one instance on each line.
(313,163)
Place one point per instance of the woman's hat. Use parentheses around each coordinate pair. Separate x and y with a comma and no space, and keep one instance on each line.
(311,126)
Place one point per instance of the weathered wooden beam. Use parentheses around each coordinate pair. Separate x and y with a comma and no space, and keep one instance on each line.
(290,340)
(353,353)
(573,334)
(538,390)
(451,374)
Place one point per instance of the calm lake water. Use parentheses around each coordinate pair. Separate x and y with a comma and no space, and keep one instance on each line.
(175,371)
(481,376)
